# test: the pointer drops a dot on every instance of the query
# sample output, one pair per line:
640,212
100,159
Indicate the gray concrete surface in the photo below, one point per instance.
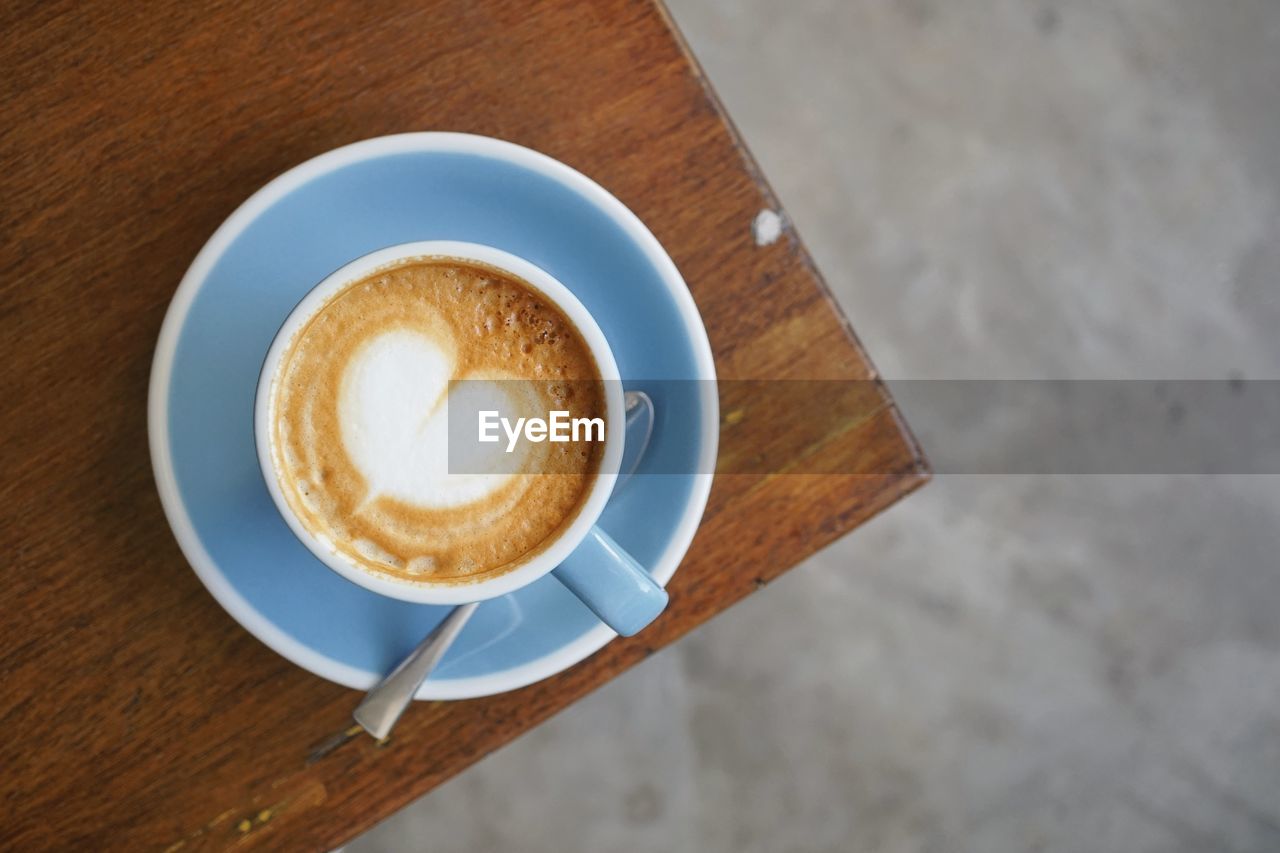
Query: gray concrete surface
993,189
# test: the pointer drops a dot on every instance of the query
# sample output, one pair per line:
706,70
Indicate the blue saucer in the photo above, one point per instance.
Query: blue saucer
289,236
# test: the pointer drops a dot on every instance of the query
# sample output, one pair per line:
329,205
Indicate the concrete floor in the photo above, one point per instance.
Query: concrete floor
994,189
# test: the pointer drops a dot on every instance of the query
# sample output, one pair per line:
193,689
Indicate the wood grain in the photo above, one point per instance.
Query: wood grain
136,713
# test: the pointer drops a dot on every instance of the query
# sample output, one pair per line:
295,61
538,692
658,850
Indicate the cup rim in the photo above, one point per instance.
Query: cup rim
425,592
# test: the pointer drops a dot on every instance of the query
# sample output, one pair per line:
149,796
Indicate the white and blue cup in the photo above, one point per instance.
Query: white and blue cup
583,557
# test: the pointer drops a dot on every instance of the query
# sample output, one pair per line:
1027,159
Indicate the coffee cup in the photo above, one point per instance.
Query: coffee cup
578,553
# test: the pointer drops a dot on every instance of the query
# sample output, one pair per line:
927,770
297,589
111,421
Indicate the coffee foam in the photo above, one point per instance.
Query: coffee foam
359,416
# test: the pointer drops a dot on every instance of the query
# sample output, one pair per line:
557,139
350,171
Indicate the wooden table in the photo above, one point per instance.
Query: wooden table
136,713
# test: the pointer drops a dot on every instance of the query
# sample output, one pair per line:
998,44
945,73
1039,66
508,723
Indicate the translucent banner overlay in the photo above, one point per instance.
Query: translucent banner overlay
963,426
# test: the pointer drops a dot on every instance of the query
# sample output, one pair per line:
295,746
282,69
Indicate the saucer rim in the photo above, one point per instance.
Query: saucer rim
428,142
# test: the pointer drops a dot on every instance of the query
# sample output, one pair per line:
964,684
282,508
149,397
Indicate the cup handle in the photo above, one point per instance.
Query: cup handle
612,584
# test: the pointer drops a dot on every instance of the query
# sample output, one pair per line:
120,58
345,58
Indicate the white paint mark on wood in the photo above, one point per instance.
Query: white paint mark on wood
766,227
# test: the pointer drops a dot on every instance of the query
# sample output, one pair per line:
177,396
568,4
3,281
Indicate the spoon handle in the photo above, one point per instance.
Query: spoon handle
384,704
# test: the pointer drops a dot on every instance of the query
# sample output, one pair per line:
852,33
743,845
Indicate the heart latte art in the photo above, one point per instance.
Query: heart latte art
360,421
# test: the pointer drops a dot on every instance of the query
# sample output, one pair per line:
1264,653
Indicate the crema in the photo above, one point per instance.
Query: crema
359,419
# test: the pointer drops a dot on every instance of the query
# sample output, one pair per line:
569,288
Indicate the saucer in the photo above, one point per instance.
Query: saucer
290,235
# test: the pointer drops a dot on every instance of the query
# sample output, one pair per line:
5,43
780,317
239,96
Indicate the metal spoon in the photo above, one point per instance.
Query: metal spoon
382,706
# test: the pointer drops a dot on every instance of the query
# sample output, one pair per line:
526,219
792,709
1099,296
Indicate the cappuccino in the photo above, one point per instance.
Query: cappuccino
359,421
